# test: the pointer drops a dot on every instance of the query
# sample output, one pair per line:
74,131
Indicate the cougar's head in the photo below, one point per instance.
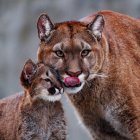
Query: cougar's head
41,82
73,48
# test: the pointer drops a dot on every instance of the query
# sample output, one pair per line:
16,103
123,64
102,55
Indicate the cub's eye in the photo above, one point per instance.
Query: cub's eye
85,53
59,53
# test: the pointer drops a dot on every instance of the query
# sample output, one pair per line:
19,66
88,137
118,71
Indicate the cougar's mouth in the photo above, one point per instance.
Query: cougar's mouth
73,84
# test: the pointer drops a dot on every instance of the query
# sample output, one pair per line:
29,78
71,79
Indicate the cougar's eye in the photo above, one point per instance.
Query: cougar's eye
59,53
85,53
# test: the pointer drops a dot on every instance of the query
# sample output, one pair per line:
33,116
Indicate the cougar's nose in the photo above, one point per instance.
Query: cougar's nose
74,74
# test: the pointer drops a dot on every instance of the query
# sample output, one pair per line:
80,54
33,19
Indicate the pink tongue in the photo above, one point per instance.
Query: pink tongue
71,81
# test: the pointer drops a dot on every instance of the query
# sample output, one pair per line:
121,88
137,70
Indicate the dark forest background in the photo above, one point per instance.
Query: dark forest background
19,40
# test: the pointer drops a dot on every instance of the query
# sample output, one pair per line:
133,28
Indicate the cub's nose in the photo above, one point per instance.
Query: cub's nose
55,90
52,90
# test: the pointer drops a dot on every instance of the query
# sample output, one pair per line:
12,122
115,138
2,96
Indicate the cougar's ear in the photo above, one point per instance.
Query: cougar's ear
44,26
96,26
27,73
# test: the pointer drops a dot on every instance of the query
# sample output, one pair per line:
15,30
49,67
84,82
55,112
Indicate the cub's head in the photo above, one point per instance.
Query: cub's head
72,47
41,82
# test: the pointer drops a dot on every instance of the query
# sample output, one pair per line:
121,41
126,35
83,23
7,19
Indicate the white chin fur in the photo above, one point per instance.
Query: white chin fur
74,90
52,98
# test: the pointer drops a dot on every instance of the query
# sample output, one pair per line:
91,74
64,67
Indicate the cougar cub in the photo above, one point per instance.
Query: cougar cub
37,113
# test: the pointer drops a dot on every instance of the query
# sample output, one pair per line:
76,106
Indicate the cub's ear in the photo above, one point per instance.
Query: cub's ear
97,26
27,73
44,26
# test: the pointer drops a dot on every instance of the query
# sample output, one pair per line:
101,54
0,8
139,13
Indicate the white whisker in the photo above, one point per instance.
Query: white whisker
87,84
100,75
94,75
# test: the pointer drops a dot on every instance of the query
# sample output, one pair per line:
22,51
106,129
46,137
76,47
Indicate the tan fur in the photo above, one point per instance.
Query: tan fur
109,106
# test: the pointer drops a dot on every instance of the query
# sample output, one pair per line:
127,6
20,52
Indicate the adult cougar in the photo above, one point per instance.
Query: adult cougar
99,62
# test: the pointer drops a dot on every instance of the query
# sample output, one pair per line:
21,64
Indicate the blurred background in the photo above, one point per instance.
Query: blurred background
19,40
